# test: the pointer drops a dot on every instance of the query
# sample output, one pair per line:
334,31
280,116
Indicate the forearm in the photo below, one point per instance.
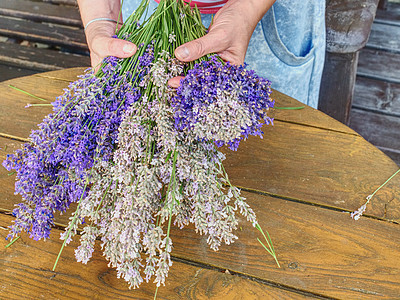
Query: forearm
92,9
252,11
260,7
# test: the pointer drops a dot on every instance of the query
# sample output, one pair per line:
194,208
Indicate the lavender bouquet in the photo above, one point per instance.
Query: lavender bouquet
137,155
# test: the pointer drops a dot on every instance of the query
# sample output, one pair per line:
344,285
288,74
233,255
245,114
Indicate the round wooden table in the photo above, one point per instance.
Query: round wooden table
302,179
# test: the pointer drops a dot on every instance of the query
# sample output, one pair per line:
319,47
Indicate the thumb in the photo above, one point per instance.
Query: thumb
210,43
106,46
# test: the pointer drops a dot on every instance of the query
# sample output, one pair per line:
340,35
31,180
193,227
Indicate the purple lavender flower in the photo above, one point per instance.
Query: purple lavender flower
53,169
222,103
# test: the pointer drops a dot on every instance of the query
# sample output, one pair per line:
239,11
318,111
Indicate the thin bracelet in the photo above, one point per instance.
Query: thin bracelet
98,19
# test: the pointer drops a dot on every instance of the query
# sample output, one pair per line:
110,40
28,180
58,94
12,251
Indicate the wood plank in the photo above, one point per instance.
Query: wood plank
392,153
8,72
26,118
390,15
26,273
62,2
380,65
307,116
41,12
384,37
52,34
380,130
377,96
317,166
67,75
321,251
6,180
40,59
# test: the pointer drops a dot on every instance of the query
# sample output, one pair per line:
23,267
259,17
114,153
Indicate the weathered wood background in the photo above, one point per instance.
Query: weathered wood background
375,113
38,36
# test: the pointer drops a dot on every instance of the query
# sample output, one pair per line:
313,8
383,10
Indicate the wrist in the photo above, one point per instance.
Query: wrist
98,30
99,20
93,9
252,10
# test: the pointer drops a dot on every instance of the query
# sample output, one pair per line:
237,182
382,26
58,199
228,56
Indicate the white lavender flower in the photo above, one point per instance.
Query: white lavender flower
356,215
171,38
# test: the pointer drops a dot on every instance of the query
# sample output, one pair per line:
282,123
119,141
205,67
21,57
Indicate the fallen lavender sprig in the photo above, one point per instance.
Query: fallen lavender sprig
356,215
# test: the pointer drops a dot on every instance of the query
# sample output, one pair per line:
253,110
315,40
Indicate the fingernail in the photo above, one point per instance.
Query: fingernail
128,48
182,52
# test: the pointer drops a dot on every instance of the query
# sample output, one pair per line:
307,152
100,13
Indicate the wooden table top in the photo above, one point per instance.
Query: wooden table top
302,179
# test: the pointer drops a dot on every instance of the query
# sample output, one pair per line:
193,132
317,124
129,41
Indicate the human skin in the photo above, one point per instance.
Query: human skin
228,36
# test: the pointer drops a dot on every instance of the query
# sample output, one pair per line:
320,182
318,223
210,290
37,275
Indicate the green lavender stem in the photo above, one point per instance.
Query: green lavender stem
27,93
12,242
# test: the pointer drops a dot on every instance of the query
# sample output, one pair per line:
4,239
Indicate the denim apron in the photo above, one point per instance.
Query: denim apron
287,46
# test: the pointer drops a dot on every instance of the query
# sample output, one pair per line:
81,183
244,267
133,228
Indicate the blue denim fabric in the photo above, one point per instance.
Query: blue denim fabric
287,46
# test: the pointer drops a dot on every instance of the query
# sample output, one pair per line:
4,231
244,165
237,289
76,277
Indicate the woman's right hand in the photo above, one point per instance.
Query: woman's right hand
102,44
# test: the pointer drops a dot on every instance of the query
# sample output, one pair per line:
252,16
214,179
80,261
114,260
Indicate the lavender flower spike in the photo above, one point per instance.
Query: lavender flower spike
359,212
356,215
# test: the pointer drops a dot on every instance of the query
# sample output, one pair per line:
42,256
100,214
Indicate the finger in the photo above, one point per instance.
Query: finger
95,61
234,59
210,43
175,82
107,46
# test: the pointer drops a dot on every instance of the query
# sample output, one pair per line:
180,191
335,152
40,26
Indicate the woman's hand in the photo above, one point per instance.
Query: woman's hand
101,44
228,36
99,33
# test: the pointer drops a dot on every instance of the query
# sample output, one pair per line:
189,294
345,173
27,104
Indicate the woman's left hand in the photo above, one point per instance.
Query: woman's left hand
228,36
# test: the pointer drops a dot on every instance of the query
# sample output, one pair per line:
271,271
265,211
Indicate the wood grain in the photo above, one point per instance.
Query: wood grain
321,251
41,12
51,34
317,166
8,72
389,16
376,108
378,129
40,59
26,274
385,66
377,96
385,37
392,153
336,92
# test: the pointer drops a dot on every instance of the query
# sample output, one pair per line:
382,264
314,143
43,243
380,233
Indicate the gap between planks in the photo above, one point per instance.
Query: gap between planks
317,127
202,265
309,203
